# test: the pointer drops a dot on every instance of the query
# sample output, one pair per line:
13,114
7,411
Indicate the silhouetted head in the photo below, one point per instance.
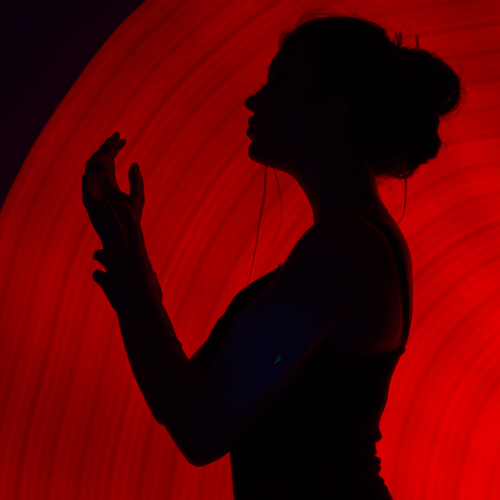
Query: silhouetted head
340,88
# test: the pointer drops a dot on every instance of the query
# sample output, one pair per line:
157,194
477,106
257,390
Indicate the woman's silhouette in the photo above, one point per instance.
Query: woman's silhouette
294,377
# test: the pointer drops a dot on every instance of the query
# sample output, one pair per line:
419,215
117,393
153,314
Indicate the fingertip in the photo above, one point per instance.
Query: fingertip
97,254
99,277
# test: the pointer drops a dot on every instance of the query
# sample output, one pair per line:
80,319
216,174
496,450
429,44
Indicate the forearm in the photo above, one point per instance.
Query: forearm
158,361
160,366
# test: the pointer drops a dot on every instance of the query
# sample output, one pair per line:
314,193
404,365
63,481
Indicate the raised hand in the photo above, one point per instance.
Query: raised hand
100,188
116,216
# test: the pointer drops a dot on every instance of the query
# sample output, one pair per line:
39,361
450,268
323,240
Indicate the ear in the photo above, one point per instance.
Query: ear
331,110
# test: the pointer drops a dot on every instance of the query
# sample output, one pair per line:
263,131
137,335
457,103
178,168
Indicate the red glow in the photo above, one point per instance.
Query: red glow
172,80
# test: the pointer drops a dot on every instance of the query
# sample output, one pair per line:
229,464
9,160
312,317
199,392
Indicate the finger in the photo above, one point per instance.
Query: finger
112,262
99,162
104,167
112,141
100,278
114,148
112,138
136,188
103,158
104,257
107,145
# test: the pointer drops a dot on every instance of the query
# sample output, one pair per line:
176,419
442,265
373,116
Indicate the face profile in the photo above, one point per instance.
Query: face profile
287,132
268,127
307,138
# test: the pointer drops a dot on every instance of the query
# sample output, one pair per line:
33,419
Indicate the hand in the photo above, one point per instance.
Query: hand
100,189
130,279
130,284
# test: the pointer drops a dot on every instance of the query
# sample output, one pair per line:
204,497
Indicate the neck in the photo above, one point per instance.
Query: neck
357,191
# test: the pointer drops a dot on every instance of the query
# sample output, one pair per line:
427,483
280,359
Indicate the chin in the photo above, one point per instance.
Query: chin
257,152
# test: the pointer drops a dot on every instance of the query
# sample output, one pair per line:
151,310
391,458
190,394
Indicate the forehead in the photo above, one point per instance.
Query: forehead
277,62
290,63
289,59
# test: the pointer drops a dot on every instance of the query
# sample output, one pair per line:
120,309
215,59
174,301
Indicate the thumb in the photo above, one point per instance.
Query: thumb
136,186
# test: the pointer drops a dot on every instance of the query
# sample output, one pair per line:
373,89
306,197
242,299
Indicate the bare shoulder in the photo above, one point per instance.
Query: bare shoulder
346,259
336,243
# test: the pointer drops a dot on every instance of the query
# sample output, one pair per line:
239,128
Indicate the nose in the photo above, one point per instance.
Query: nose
249,102
252,102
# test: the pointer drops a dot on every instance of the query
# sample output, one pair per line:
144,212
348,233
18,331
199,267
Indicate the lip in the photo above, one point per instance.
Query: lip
251,132
252,122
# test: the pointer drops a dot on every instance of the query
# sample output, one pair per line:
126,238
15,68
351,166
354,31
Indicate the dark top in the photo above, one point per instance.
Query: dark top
316,438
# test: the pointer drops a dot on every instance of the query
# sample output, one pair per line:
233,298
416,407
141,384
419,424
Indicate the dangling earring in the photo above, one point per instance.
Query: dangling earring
258,226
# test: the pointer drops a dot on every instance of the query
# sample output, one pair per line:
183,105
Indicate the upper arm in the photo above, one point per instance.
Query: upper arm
278,332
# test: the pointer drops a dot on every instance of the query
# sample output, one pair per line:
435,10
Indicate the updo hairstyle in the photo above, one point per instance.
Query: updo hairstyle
397,94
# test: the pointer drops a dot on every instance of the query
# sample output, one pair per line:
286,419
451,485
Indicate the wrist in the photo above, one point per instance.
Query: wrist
148,316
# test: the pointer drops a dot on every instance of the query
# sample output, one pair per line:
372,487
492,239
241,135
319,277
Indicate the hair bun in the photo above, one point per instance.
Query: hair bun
430,90
430,77
397,94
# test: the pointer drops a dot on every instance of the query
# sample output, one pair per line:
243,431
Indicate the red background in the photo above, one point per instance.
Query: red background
172,79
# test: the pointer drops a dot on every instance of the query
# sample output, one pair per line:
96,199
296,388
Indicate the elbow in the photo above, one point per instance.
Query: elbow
196,460
202,452
200,443
205,444
203,458
197,456
198,450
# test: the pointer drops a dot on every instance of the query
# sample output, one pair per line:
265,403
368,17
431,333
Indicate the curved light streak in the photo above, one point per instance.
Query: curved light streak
173,79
